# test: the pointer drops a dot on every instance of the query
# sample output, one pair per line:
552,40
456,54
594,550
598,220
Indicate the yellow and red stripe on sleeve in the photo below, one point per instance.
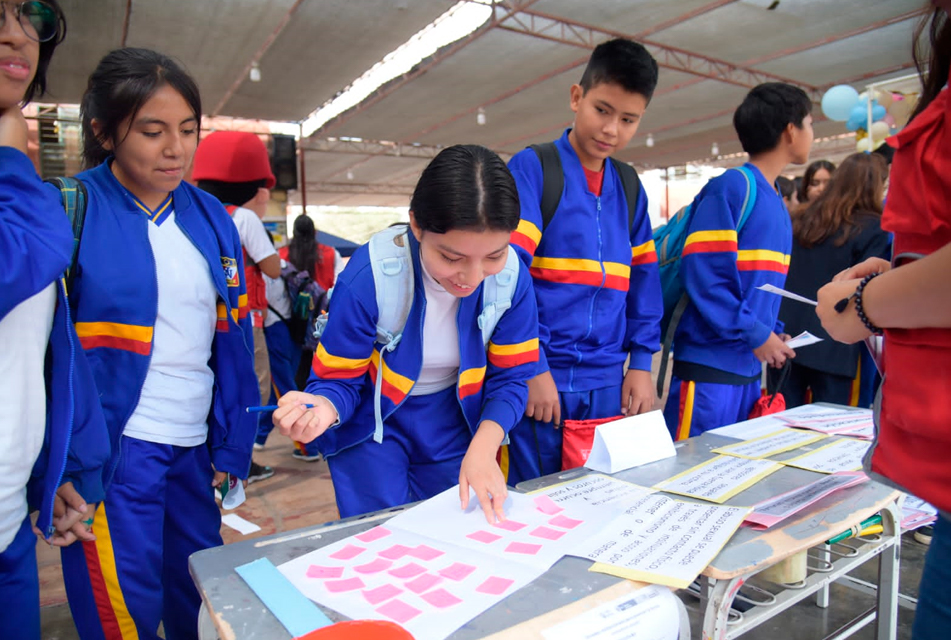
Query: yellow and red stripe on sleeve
643,254
512,355
331,367
762,260
470,382
395,386
581,271
115,335
243,306
710,242
222,323
526,236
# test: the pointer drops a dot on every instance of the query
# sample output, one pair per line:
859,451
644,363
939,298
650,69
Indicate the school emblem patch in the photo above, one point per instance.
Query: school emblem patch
230,265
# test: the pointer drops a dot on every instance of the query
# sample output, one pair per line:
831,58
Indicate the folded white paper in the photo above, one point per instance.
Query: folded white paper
630,442
804,339
238,523
768,288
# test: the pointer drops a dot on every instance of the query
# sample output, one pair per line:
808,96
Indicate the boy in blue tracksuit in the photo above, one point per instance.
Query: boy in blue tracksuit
730,328
595,274
402,420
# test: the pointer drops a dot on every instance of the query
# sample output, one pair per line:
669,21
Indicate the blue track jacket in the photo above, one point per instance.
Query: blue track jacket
492,382
115,303
36,242
728,317
596,281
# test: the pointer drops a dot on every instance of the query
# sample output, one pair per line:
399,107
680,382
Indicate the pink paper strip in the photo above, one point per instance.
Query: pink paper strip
547,533
564,522
761,521
424,552
440,598
423,583
546,505
348,552
484,536
338,586
457,571
495,586
510,525
407,571
315,571
373,534
378,565
378,595
399,611
395,552
523,547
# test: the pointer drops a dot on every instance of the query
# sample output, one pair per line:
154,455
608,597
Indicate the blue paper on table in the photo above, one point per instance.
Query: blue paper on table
291,607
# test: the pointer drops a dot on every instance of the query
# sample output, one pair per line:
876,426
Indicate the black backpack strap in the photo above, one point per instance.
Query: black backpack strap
675,316
73,193
553,180
632,188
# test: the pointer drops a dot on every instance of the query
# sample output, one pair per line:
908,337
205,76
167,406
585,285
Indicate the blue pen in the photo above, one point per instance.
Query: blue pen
270,407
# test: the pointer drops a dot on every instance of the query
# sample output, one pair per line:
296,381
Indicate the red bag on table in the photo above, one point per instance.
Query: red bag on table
577,439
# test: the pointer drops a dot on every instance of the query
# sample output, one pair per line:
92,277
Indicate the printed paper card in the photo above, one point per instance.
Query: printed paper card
662,540
776,442
630,442
719,479
749,429
650,613
770,288
804,339
775,510
842,455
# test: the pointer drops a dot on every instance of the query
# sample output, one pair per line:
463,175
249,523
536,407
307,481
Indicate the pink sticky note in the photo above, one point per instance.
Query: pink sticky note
338,586
546,505
378,595
348,552
440,598
423,583
457,571
494,586
510,525
314,571
395,552
547,533
424,552
408,571
399,611
565,522
523,547
378,565
373,534
484,536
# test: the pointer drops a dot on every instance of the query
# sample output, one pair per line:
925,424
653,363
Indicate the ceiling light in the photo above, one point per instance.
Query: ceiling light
349,174
480,117
255,73
650,140
715,149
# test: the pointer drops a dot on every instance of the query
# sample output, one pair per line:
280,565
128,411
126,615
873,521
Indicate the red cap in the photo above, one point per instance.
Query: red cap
232,156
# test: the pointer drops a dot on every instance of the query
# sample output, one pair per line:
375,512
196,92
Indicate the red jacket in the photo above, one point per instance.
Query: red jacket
323,270
913,448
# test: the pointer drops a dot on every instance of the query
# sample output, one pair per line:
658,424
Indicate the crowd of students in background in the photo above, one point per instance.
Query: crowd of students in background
456,346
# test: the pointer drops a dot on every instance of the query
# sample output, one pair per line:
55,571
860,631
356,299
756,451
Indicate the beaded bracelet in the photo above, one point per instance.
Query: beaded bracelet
860,310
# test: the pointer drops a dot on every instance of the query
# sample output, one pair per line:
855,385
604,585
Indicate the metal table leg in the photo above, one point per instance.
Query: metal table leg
717,607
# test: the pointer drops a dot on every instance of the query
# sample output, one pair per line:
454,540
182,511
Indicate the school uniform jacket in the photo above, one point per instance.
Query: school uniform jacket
115,304
35,247
492,383
596,280
727,317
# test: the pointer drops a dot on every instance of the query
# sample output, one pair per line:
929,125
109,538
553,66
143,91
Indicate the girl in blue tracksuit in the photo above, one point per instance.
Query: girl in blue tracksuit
446,399
161,310
53,441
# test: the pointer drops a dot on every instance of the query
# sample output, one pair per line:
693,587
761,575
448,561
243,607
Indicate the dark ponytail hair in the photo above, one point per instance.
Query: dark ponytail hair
938,64
123,81
38,86
466,187
302,250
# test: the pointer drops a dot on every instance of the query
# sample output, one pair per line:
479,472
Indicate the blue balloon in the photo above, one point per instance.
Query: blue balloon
878,112
838,101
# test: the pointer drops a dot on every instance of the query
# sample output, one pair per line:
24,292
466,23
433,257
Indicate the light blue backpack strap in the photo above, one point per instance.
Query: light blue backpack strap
497,294
392,266
750,201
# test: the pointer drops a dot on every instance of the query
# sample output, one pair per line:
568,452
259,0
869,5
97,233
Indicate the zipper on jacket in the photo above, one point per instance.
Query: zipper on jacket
580,356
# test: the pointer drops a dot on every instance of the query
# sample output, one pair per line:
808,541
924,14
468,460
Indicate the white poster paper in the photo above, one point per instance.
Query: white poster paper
776,442
804,339
820,412
595,491
749,429
768,288
662,540
630,442
650,613
719,479
842,455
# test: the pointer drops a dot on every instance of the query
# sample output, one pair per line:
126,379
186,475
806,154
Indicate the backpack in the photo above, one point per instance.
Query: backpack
392,264
73,193
308,302
669,241
553,182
